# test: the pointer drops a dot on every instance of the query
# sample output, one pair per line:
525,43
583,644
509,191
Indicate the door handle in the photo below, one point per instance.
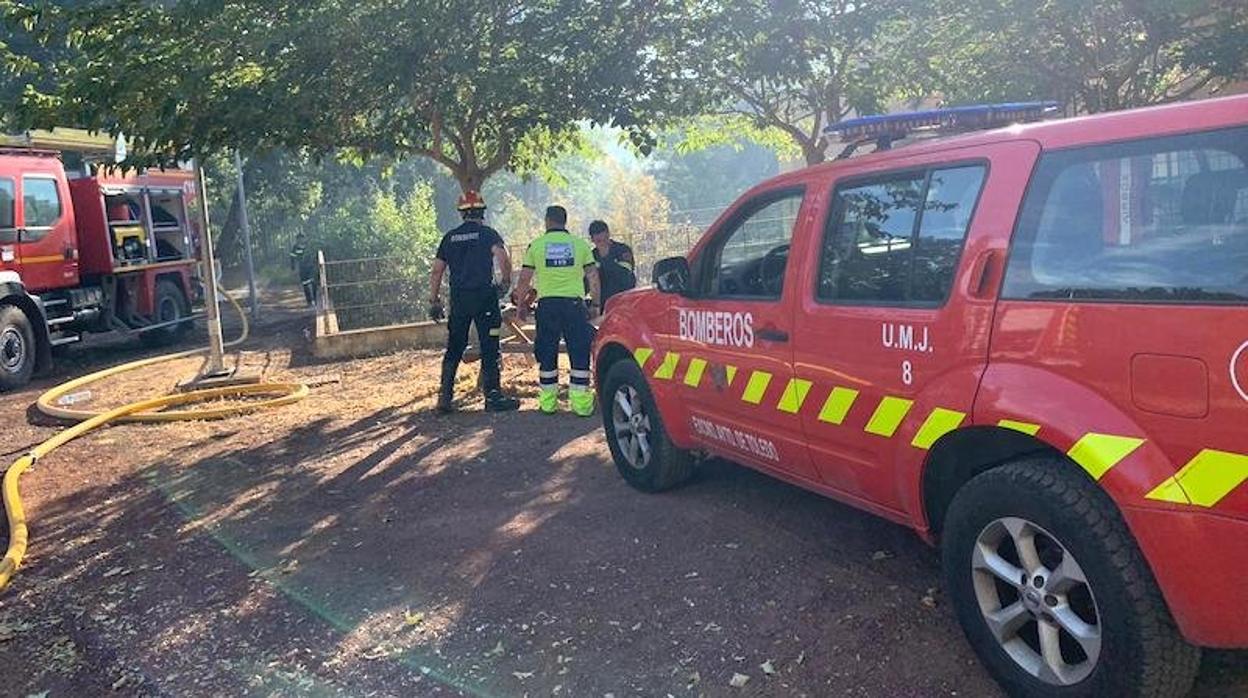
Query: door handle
772,334
981,272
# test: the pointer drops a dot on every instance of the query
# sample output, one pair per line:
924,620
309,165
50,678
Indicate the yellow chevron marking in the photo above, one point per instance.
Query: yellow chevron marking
668,368
1169,491
1098,453
837,405
642,354
888,416
759,380
939,423
732,373
1205,480
1026,427
794,395
693,375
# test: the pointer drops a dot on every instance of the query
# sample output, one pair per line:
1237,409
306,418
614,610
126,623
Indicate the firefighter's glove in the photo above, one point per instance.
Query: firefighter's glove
437,311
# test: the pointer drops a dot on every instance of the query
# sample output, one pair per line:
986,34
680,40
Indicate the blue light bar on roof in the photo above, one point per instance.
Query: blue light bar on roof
967,118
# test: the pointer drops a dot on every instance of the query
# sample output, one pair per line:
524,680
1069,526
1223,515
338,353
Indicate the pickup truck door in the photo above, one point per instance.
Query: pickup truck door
731,352
893,325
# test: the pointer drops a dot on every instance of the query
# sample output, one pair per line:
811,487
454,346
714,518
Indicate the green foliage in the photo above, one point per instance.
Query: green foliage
478,86
795,65
1092,56
701,183
733,131
381,224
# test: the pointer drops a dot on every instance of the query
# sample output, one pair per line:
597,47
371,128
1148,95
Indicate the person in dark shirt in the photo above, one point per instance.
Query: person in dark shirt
471,251
303,262
615,262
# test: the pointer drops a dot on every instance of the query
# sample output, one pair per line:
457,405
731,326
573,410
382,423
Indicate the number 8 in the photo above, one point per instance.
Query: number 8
907,373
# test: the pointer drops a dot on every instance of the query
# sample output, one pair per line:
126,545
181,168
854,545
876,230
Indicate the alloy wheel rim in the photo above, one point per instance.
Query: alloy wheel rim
632,427
1036,601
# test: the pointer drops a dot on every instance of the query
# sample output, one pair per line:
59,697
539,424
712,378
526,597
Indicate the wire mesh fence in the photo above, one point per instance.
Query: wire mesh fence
373,292
381,291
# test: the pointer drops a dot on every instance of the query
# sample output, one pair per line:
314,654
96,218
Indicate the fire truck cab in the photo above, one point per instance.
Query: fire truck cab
88,249
1030,344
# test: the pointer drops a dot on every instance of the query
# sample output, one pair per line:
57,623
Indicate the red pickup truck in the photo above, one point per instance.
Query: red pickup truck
1030,344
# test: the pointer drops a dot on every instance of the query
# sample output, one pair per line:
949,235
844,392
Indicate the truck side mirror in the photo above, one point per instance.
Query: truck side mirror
672,275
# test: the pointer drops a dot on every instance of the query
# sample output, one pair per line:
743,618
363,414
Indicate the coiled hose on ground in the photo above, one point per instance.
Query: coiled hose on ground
153,410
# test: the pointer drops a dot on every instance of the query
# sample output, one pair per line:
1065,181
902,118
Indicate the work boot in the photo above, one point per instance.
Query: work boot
446,391
582,402
548,401
496,401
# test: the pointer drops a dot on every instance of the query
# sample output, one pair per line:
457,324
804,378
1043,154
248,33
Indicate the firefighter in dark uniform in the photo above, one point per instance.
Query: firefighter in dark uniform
471,252
616,268
558,265
304,264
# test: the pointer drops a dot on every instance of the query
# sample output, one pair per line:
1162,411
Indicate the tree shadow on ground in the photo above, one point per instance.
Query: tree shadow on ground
480,554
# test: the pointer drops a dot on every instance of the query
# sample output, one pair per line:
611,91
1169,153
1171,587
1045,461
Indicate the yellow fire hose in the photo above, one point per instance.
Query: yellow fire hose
142,411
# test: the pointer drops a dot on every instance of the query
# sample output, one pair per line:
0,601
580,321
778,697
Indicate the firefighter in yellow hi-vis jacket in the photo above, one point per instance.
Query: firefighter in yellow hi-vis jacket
558,265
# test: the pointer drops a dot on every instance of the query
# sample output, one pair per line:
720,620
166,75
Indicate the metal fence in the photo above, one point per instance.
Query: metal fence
381,291
372,292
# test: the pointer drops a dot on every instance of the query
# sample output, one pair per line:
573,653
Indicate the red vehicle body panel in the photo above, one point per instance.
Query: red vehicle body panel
95,247
46,258
1137,394
77,249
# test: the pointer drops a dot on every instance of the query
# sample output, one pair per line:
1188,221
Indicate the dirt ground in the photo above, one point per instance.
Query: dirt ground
357,544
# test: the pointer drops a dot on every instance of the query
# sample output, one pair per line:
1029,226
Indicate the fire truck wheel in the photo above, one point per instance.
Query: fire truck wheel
171,304
1052,591
643,453
17,348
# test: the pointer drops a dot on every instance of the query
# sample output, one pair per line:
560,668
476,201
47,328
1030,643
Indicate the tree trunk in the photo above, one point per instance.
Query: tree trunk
813,151
469,179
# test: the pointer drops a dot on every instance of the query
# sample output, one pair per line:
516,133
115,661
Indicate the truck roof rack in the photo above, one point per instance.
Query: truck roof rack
885,129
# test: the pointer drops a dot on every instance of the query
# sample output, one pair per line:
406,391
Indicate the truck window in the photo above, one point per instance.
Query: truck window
1161,220
749,260
8,228
41,202
896,239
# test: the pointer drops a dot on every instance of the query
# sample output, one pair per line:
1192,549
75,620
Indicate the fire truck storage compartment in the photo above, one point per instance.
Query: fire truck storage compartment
168,220
128,226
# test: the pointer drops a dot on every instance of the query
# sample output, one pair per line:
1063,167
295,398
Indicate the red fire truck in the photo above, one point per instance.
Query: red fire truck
88,248
1030,344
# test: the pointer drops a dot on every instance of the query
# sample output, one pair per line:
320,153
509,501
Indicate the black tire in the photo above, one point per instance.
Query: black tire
1139,649
170,304
666,466
17,348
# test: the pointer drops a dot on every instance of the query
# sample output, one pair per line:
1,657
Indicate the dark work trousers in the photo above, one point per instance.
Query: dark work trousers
477,306
566,319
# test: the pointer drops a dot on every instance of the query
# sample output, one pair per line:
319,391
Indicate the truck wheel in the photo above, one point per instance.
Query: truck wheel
1052,591
643,453
170,305
17,348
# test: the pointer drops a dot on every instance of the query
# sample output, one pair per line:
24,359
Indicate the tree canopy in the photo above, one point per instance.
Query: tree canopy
477,86
795,66
483,86
1090,56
